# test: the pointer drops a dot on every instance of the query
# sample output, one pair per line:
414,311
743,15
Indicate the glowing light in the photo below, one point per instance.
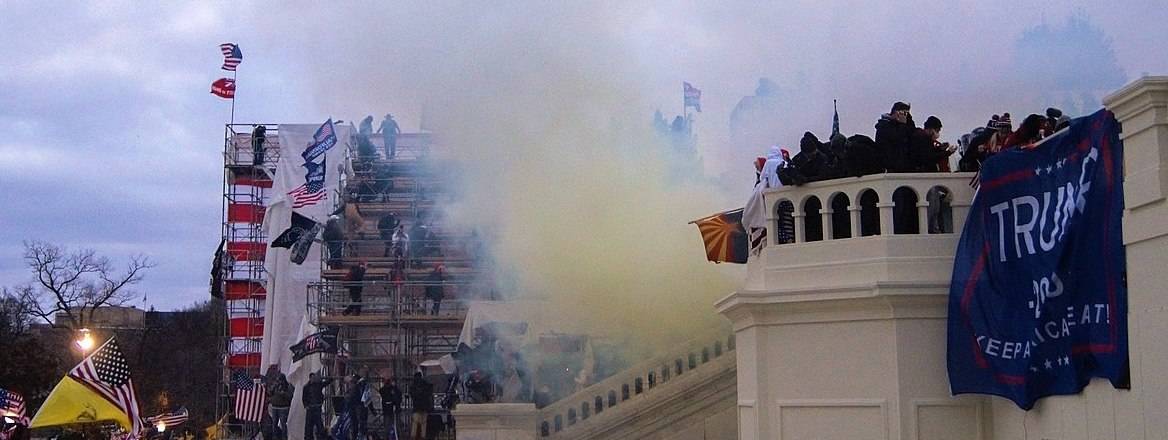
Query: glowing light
85,340
161,426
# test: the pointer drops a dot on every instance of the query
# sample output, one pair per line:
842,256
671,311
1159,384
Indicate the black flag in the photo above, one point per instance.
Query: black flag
222,262
324,341
301,226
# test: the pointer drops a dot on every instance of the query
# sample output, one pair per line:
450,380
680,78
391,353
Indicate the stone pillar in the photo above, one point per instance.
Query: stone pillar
496,421
886,226
854,216
800,237
828,227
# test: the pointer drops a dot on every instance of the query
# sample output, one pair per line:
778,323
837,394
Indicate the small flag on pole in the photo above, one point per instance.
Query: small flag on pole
249,397
232,56
724,236
835,119
223,88
693,96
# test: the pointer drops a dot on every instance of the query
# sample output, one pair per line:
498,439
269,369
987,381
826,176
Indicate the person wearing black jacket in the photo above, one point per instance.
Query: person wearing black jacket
354,278
422,397
334,236
355,401
925,153
391,399
893,132
312,396
259,137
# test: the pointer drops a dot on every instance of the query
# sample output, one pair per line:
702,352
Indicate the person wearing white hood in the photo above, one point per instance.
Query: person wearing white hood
754,214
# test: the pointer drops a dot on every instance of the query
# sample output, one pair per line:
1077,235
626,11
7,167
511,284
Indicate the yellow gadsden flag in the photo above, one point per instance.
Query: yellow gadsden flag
97,389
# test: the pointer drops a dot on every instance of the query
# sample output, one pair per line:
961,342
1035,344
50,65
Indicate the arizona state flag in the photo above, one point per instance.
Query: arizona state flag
726,240
97,389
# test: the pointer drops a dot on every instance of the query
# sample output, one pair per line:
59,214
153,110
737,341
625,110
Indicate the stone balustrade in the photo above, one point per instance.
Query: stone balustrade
632,384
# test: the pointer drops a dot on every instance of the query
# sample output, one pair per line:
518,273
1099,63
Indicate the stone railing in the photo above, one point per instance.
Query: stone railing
886,228
632,384
879,204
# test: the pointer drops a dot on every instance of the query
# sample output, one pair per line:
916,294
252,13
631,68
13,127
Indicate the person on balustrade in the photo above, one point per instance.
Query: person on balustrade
353,281
893,133
926,153
1028,134
813,163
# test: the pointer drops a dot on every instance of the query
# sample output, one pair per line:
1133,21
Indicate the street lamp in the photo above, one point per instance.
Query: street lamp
84,340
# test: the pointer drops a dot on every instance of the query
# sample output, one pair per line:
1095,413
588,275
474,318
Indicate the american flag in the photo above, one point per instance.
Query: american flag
170,419
232,56
693,96
12,406
106,372
249,397
307,194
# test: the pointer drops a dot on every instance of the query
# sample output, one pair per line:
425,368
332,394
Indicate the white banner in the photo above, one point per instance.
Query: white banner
305,160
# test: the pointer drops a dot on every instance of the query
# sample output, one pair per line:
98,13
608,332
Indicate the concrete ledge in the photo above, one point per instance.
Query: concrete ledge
496,421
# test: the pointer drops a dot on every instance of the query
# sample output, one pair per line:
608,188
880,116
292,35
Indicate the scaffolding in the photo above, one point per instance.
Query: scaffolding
247,181
407,314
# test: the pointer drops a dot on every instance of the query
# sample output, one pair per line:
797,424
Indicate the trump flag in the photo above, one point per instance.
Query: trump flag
1038,300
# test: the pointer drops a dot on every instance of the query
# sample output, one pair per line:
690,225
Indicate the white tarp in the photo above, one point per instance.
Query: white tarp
285,318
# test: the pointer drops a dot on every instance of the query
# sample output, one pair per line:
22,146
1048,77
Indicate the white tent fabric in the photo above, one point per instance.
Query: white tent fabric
285,322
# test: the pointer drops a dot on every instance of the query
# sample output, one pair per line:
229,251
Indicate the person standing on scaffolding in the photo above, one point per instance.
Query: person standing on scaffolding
386,226
353,280
389,131
435,292
259,135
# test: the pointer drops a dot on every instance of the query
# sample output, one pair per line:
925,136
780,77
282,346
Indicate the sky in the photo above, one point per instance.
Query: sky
112,141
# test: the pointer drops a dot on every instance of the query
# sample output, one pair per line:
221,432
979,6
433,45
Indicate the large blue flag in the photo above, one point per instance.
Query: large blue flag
1038,301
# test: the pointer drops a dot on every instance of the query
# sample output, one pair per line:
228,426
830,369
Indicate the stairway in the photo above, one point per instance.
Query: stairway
689,393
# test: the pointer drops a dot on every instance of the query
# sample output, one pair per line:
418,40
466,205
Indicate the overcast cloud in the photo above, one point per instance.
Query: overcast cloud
112,141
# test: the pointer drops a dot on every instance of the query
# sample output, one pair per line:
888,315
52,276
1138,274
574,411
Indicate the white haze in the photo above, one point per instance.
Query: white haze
546,104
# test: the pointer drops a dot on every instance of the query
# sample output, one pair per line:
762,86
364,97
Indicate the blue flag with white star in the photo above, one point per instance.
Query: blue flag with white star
1038,300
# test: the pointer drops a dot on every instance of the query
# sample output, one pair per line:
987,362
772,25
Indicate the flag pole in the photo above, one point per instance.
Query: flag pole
234,74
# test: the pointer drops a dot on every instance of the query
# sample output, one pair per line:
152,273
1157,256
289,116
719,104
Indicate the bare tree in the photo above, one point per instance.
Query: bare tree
74,284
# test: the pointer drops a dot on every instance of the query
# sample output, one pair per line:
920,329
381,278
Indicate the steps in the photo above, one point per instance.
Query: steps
685,391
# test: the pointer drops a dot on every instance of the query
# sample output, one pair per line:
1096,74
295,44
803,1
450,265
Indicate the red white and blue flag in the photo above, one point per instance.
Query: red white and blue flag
232,56
12,407
106,372
693,96
169,419
249,397
307,194
1038,302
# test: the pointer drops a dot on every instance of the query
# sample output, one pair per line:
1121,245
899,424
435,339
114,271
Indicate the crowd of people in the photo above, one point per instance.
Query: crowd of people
900,146
353,407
